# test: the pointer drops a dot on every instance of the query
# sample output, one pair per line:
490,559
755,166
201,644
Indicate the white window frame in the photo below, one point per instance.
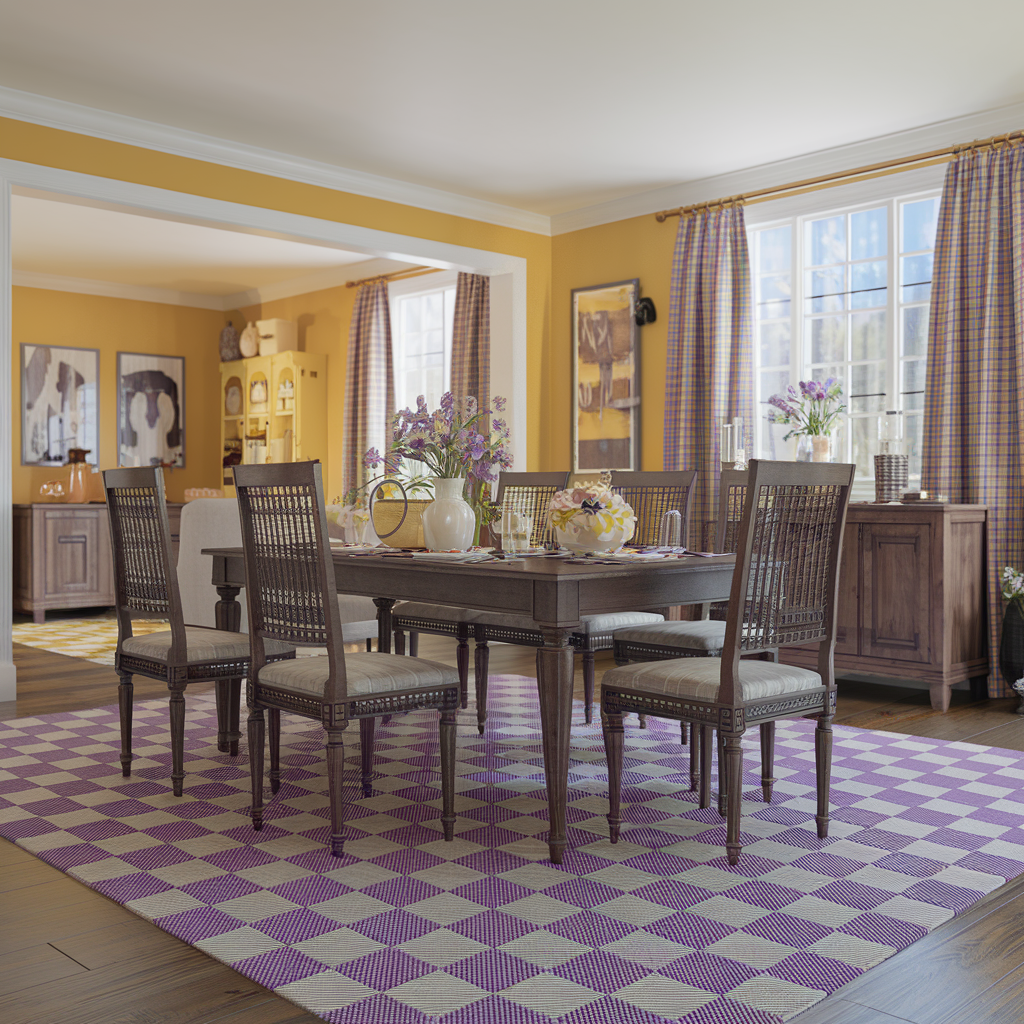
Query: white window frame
417,286
798,344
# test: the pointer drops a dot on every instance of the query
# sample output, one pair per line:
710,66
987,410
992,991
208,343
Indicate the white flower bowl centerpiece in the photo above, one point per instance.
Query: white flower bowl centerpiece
591,518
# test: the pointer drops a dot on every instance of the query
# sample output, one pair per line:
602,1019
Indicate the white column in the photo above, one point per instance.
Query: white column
8,689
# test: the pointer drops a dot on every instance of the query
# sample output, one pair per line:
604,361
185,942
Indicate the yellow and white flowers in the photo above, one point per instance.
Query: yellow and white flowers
591,517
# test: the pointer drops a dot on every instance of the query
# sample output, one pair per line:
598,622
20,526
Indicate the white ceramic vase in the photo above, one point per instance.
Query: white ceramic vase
449,522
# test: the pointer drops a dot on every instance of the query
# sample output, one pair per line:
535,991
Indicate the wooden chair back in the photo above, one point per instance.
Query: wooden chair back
784,589
290,585
651,495
145,580
531,494
732,496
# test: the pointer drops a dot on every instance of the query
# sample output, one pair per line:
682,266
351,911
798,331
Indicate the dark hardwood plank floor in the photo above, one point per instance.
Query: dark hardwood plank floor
71,956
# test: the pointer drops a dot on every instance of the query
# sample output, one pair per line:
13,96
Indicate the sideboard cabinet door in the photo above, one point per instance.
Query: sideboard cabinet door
896,607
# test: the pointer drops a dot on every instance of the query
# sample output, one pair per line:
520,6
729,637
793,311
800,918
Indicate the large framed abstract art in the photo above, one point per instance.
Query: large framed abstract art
150,410
59,403
606,377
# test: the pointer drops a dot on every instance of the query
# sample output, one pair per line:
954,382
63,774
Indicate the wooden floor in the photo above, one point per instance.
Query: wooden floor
71,956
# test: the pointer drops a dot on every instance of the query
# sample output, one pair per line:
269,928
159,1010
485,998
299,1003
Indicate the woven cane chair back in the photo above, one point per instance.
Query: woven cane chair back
651,495
144,576
290,583
531,494
788,553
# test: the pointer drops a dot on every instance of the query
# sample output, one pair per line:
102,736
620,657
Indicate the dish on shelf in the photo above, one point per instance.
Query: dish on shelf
233,400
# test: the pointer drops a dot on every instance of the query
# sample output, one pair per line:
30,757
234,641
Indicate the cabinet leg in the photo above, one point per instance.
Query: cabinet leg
38,616
939,694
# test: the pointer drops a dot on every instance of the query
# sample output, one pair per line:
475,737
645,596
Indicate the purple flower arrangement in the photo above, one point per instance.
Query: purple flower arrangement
812,410
449,441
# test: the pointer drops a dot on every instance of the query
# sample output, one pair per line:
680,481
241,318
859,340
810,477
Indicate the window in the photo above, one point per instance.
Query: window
421,341
845,293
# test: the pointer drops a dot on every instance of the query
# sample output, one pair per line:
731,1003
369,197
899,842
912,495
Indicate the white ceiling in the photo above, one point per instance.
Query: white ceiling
52,237
542,105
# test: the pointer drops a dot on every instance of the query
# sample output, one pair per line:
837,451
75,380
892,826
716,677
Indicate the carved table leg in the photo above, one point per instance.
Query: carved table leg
384,606
554,686
228,611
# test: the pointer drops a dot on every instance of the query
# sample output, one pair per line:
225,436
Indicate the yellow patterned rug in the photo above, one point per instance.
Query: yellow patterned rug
92,639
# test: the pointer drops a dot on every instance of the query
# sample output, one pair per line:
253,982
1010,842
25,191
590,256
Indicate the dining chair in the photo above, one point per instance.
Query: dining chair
784,591
529,493
292,595
698,638
146,586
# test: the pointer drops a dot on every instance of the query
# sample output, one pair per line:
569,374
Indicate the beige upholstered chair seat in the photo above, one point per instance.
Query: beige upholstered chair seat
699,635
201,645
432,612
474,616
589,624
366,674
699,678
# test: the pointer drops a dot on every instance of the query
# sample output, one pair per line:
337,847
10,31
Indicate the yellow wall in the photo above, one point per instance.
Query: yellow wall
323,321
638,247
52,147
120,325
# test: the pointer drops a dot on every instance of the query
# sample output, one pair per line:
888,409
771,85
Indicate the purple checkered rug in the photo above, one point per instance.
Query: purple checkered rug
407,928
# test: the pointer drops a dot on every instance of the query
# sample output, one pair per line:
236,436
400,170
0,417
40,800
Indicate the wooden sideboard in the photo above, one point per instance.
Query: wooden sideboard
912,597
62,556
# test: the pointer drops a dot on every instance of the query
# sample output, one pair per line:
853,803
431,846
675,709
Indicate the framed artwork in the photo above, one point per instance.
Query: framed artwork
59,403
605,377
150,410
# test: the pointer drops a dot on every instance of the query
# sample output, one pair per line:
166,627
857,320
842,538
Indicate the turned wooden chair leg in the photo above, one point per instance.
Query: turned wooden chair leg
707,741
462,663
643,721
588,686
723,777
414,644
177,715
399,641
366,728
234,703
481,667
734,758
222,699
682,734
336,787
823,771
767,760
257,732
611,726
447,743
124,706
275,749
695,738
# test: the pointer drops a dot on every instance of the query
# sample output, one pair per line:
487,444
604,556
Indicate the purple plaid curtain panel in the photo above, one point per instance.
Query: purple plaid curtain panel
710,367
974,389
471,338
370,381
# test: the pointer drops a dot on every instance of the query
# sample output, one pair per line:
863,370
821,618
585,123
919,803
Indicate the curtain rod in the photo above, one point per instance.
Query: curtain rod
394,275
796,188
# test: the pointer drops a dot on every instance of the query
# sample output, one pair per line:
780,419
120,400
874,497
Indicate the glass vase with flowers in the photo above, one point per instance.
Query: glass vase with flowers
811,410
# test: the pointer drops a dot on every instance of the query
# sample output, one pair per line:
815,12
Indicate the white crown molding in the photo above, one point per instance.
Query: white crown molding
133,131
825,161
114,290
320,280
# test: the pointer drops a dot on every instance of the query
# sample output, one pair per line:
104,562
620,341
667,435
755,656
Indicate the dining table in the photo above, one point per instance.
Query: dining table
555,591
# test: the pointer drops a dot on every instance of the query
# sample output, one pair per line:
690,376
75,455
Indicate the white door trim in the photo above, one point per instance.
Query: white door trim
147,200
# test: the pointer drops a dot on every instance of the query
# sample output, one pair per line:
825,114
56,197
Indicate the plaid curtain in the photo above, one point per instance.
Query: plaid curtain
974,388
710,367
369,382
471,338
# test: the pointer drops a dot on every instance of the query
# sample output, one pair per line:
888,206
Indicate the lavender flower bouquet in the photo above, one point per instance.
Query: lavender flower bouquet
811,410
